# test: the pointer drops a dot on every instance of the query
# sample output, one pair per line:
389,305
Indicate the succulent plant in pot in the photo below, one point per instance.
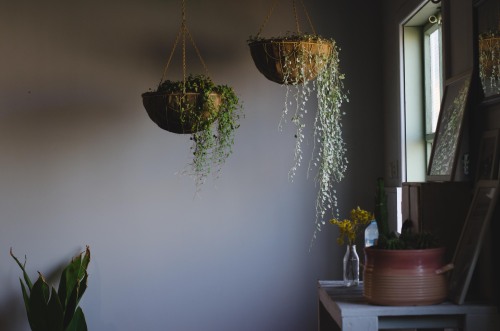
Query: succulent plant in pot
404,269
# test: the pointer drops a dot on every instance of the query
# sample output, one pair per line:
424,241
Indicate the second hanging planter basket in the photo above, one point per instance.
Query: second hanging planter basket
290,60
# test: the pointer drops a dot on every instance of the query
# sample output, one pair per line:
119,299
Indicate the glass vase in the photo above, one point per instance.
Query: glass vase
351,266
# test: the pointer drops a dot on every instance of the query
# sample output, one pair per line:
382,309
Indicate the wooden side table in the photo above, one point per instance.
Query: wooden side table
345,308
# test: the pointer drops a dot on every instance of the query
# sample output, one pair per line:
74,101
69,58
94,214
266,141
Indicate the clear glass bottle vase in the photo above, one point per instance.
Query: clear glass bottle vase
351,266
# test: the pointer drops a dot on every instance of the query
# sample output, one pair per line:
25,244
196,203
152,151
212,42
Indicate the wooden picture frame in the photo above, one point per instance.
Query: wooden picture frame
444,154
487,41
487,163
471,238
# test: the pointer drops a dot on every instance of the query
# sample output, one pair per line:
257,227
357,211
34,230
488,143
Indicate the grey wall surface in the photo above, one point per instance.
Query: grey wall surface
82,164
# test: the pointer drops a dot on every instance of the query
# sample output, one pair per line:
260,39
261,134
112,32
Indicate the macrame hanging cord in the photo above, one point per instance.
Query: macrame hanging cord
181,35
295,14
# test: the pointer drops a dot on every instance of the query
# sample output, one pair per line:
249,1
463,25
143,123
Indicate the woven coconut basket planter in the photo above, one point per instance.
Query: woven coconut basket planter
181,113
489,49
290,61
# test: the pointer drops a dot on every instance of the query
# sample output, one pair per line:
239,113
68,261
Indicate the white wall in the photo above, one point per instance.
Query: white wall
82,164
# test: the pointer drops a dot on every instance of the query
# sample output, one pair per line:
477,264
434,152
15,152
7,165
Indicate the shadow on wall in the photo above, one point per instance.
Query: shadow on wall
12,316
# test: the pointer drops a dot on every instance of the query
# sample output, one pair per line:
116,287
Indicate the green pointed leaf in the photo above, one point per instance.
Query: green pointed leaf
49,310
22,266
82,287
38,306
25,296
71,305
68,280
72,275
54,312
78,322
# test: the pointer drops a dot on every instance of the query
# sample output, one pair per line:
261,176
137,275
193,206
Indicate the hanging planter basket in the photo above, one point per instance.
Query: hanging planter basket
191,104
179,112
308,66
290,60
489,62
195,105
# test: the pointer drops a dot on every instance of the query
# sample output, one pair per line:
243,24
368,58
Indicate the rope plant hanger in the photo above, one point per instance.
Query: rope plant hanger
196,106
305,63
180,115
280,59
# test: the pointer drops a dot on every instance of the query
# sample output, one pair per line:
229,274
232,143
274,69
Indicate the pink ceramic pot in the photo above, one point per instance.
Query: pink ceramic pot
404,277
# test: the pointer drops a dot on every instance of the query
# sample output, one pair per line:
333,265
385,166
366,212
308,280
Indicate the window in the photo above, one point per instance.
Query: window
433,80
421,93
423,86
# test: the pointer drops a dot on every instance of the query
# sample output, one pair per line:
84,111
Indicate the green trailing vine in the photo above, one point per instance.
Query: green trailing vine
195,105
489,61
213,136
329,148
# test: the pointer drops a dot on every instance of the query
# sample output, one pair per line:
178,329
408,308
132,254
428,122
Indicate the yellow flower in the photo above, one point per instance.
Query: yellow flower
349,227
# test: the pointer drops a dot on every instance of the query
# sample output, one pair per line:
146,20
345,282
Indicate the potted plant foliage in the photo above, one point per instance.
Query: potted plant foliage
489,62
51,310
307,63
196,106
184,106
291,59
406,269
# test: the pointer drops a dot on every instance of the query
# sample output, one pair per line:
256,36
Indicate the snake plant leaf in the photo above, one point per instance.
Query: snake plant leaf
74,299
49,310
22,266
39,296
72,275
77,322
71,306
83,287
26,297
54,312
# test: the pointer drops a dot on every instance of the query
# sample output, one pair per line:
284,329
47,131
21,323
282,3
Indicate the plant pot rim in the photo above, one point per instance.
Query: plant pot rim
374,249
167,115
158,93
288,40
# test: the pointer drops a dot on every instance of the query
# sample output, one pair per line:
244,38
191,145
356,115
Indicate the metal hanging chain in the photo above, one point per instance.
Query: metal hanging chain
183,32
296,16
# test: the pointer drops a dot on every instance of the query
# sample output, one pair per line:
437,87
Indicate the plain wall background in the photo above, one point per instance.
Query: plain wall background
82,164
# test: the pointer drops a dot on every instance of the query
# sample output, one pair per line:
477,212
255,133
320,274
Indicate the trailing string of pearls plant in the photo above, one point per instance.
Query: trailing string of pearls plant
489,62
489,49
329,149
307,63
196,106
